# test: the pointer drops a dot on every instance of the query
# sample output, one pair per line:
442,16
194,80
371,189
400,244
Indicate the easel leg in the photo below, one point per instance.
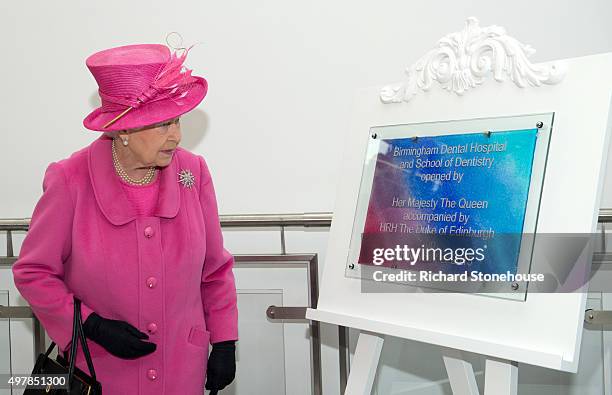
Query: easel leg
501,377
364,364
460,374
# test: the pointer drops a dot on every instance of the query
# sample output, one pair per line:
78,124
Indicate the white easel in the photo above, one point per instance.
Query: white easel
501,377
505,331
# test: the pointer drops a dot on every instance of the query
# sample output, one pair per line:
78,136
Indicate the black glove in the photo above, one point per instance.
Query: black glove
221,367
117,337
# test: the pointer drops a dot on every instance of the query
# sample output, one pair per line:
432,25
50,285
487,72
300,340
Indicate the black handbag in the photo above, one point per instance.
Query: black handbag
78,381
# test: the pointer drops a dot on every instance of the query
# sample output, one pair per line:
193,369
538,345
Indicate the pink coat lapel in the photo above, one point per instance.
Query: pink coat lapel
109,193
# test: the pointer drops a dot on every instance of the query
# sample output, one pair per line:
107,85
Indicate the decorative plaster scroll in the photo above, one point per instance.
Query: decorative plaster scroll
463,59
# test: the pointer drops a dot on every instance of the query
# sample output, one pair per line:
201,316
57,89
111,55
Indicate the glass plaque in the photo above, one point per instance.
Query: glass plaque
451,205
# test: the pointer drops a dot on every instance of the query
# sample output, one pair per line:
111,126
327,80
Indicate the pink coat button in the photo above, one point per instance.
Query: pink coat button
151,282
152,374
148,232
152,327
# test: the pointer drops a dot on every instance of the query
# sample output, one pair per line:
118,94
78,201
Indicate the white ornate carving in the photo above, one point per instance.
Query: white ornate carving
463,59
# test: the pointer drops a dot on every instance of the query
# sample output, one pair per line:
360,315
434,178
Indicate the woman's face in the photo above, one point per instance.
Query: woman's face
154,145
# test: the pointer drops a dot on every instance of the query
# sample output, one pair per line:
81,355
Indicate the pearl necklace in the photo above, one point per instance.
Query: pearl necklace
123,174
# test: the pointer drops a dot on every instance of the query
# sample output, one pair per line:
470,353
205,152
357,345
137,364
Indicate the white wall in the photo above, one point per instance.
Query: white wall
281,77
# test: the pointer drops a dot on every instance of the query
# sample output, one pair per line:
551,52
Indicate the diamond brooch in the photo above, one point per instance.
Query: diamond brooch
186,178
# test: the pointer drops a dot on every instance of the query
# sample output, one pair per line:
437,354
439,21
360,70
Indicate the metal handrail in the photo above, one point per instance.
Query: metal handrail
315,219
321,219
605,215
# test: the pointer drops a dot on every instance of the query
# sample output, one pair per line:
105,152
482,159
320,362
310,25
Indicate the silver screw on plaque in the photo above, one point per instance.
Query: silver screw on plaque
374,135
540,125
415,138
487,133
352,266
515,286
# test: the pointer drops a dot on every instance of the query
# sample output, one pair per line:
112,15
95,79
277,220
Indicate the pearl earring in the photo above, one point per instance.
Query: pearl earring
125,142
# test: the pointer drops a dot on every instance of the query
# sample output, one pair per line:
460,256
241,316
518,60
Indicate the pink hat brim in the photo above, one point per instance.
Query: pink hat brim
149,113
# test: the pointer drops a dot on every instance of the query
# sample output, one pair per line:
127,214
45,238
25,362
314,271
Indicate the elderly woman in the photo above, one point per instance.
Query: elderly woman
129,225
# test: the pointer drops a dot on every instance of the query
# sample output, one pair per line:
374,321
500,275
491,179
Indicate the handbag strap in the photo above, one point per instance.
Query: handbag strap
74,344
51,346
90,365
78,335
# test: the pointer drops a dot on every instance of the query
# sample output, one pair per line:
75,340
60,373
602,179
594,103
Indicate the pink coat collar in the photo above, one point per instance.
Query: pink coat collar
110,195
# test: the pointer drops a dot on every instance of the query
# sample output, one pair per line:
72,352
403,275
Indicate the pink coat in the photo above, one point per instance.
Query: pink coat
168,274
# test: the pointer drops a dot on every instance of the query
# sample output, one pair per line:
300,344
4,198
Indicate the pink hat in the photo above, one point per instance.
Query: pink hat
141,85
